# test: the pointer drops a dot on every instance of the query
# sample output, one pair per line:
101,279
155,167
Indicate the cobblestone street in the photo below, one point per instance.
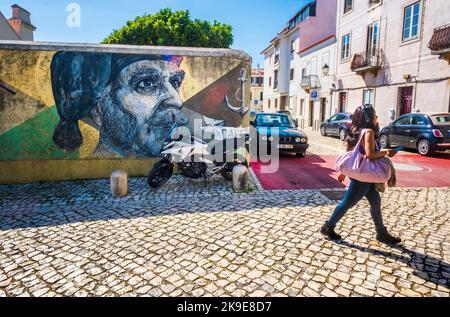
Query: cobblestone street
73,239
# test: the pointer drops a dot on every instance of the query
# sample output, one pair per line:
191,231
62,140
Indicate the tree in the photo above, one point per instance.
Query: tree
168,28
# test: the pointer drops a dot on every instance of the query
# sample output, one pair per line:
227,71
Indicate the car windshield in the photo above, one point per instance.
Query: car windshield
274,121
441,119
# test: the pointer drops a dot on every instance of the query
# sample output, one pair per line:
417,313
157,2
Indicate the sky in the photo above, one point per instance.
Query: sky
255,22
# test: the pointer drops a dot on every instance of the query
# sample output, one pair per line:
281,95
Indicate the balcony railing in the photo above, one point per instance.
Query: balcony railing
441,39
367,61
310,82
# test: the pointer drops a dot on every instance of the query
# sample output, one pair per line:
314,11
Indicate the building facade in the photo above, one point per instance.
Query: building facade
299,64
392,54
18,27
257,89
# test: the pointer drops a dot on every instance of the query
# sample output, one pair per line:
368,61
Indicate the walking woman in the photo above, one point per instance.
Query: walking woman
365,124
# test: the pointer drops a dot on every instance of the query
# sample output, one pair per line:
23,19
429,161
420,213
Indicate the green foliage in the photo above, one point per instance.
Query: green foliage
168,28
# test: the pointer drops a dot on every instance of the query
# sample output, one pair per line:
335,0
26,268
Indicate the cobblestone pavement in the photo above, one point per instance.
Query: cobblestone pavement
329,145
73,239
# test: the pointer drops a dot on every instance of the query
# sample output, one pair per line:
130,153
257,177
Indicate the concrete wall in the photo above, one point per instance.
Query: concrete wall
429,75
71,111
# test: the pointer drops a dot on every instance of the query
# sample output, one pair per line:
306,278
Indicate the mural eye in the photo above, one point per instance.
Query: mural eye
176,83
146,86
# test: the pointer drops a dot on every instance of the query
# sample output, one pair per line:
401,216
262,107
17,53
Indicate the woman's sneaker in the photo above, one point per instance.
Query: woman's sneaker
384,237
330,233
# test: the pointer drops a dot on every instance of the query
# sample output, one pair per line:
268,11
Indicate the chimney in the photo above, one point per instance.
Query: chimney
21,23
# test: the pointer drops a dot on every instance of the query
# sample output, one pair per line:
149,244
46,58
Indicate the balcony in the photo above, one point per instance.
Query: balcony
310,82
440,42
368,61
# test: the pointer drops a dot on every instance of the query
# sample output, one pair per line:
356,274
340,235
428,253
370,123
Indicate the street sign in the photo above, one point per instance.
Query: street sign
314,95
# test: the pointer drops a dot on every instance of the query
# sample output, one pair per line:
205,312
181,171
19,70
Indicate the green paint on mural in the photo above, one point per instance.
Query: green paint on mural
33,139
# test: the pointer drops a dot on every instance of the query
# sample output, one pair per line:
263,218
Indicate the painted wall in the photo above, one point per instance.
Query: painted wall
431,92
79,112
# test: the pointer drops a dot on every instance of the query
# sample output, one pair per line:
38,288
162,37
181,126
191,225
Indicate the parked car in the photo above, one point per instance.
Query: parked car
426,133
337,125
270,126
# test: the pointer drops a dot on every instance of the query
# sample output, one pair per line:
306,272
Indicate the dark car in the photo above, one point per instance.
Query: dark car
426,133
271,127
337,125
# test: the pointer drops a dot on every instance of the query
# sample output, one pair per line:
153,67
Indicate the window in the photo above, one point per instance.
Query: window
276,103
269,103
261,96
372,38
304,72
270,81
275,79
348,6
302,106
419,120
345,53
333,118
403,121
368,97
292,46
326,59
411,21
292,74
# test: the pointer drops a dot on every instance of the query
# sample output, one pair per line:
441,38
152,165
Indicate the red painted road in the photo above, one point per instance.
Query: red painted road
317,172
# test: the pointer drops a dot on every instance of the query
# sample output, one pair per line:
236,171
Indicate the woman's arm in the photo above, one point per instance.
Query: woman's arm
370,148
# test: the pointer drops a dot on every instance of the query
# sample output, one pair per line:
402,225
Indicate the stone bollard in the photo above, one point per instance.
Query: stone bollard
241,178
119,184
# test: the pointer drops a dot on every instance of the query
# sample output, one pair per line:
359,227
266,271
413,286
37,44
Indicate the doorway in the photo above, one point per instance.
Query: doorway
323,106
311,114
406,99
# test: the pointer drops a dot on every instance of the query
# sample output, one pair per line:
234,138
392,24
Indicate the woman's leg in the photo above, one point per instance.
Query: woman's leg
383,235
355,193
374,199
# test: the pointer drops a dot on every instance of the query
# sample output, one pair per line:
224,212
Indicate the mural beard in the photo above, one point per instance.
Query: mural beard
127,135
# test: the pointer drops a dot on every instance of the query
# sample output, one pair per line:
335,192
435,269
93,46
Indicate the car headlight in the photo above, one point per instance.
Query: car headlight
298,140
303,140
264,138
271,139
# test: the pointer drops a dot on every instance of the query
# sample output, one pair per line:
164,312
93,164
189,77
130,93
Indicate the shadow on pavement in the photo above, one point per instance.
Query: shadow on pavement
425,267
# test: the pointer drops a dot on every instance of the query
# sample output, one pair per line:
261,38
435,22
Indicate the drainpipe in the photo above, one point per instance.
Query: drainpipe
422,30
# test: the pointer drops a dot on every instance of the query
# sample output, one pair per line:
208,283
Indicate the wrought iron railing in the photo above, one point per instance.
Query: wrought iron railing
310,82
440,39
367,60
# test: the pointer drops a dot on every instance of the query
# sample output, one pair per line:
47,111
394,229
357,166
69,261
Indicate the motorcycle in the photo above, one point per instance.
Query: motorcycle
195,158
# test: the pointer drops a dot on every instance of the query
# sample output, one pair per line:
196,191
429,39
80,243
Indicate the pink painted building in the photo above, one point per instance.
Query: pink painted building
18,27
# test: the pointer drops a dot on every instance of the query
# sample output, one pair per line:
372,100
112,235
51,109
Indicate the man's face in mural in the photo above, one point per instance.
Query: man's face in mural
139,108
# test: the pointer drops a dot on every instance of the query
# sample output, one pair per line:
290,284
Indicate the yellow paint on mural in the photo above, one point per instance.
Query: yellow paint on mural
202,72
91,137
29,72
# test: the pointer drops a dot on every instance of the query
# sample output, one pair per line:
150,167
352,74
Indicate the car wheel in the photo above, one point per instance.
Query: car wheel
322,131
342,134
384,141
300,155
424,148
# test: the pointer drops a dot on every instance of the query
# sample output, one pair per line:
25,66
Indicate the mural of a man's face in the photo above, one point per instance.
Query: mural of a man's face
139,107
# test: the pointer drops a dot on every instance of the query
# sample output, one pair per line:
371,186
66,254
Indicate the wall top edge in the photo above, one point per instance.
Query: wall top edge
129,49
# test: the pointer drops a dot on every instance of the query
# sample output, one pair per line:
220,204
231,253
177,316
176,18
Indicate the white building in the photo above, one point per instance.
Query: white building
295,76
384,57
257,89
